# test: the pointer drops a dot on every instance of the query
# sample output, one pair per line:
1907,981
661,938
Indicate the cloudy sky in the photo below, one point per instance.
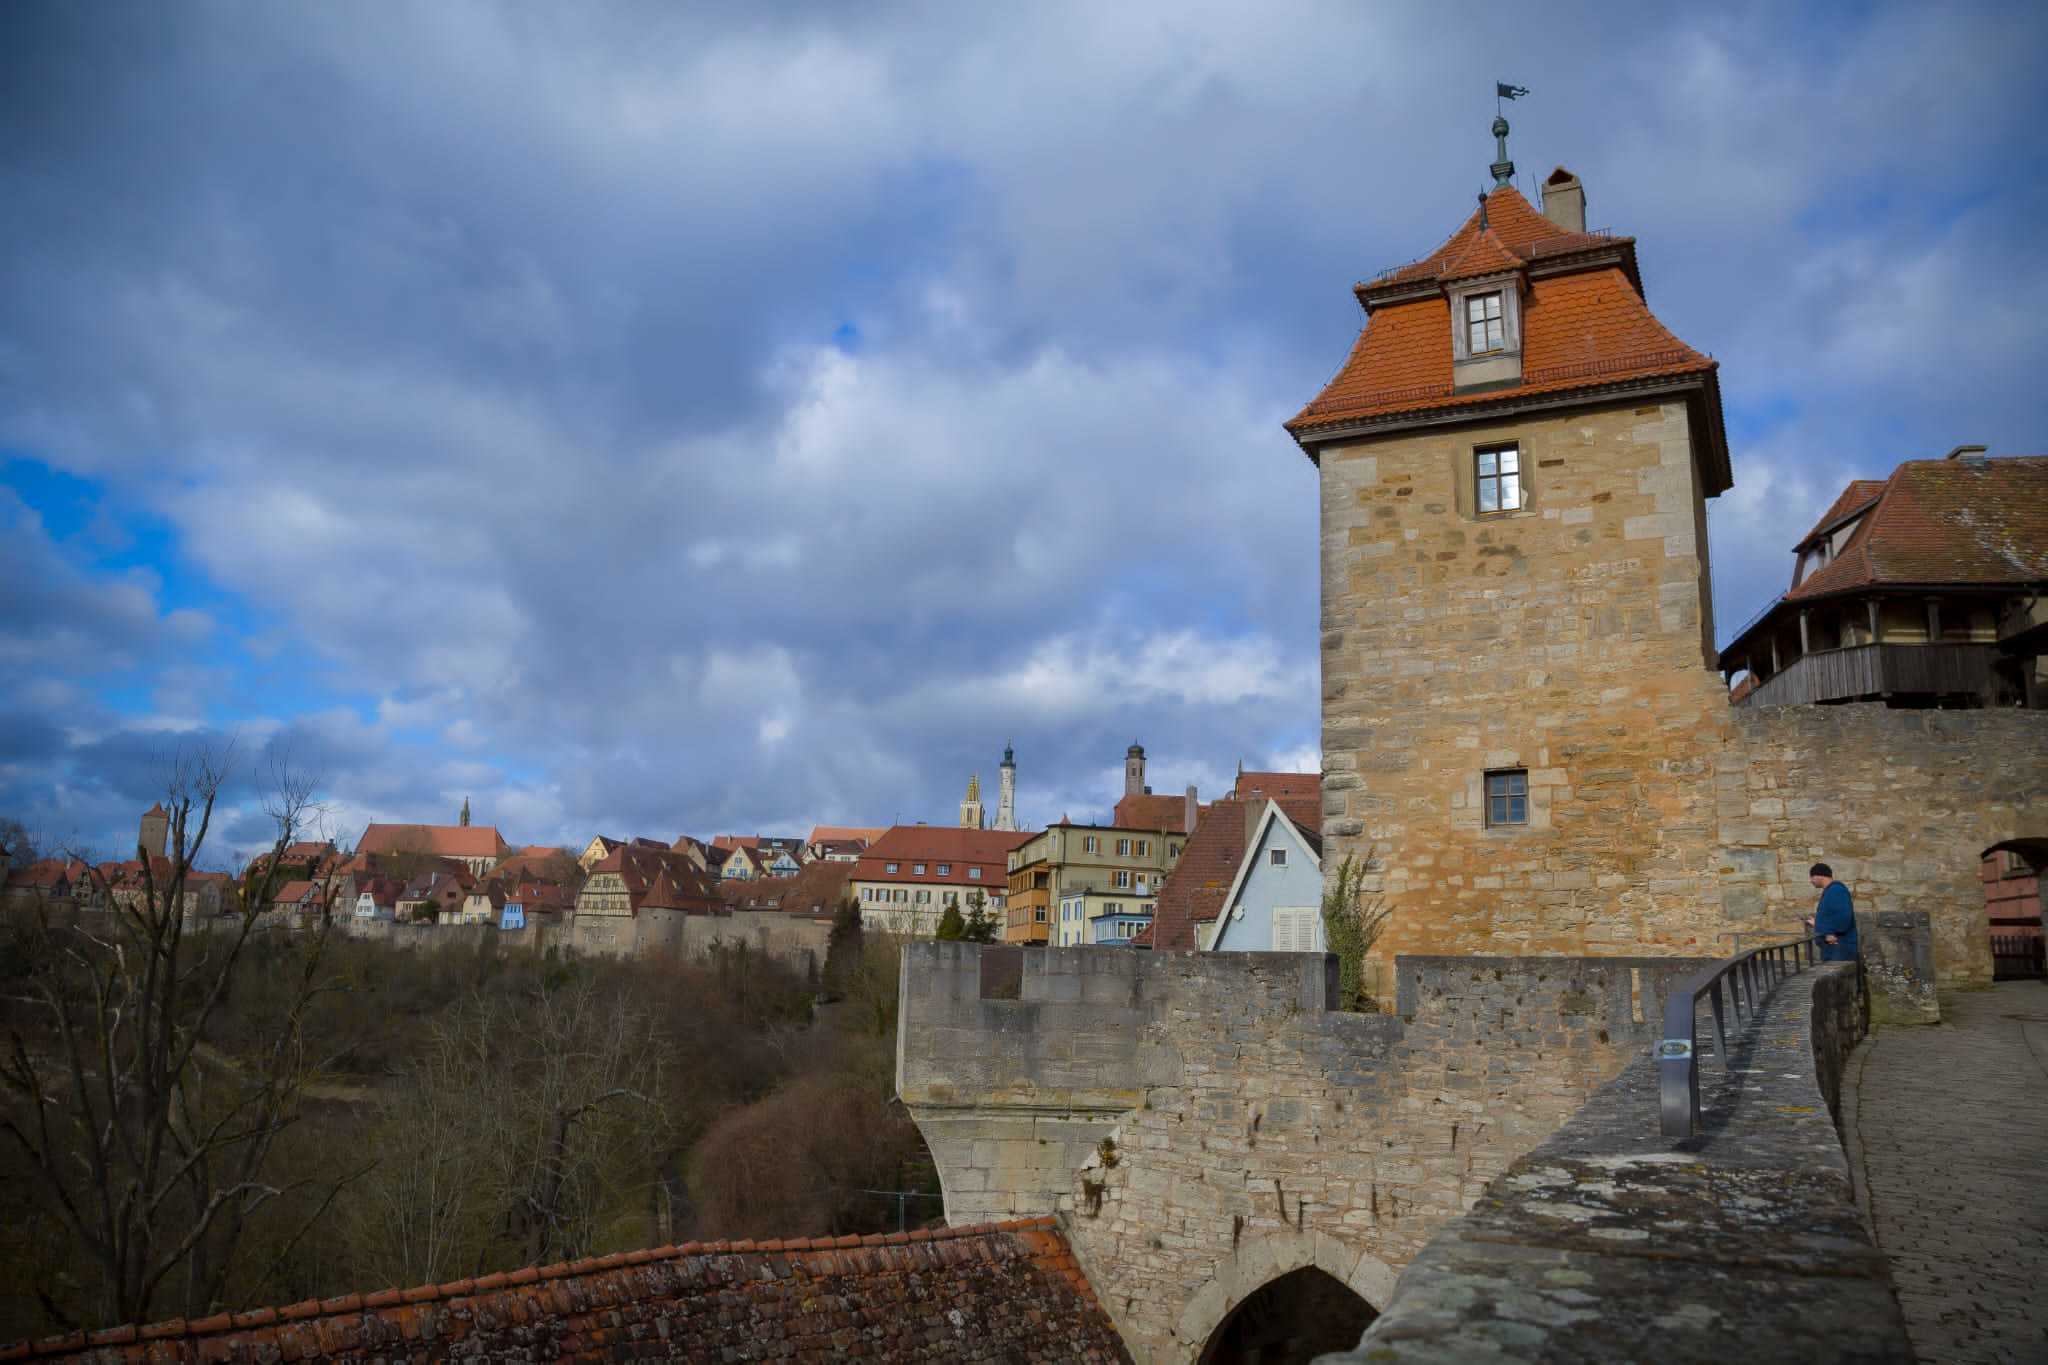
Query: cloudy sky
662,418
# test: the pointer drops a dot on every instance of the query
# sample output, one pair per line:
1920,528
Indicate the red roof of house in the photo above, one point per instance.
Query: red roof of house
660,879
448,841
1950,523
1279,786
907,846
997,1290
291,893
822,834
1584,324
1149,812
1194,890
1858,495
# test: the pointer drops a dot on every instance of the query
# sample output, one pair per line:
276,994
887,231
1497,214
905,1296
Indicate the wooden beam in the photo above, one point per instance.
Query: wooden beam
1876,630
1805,643
1933,620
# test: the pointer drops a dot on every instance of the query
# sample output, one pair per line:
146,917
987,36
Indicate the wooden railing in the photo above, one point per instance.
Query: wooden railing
1875,670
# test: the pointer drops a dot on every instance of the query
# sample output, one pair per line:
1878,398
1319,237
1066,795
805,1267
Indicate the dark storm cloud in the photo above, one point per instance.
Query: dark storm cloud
665,418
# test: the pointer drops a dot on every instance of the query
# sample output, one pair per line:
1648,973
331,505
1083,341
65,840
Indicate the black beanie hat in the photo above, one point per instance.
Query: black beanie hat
1820,870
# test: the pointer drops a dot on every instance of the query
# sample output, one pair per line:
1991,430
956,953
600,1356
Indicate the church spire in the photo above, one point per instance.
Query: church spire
463,819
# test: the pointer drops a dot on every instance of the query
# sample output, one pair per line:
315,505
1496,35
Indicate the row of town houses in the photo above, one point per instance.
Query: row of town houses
1165,871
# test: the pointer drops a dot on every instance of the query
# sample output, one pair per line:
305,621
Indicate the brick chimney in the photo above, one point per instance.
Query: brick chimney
1564,200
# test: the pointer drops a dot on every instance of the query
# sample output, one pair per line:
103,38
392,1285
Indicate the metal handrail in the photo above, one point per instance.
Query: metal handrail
1748,977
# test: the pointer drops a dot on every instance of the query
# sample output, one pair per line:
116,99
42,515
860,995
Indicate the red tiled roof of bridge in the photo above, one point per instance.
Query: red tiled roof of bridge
994,1291
1946,522
1580,329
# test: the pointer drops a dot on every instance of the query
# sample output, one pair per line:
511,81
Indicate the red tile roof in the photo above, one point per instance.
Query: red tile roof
996,1291
1585,326
839,833
1280,786
816,890
1858,495
1194,890
1948,523
660,879
1149,812
908,845
448,841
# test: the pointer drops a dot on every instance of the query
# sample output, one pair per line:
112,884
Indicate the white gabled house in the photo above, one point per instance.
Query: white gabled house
1275,903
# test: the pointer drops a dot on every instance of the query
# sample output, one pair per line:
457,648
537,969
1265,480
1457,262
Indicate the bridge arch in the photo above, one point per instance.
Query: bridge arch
1260,1261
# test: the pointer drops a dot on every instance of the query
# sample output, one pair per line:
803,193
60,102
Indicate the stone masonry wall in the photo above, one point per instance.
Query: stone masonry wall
1901,804
1569,639
1205,1122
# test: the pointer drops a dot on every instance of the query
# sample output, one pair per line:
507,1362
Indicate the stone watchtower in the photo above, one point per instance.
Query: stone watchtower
1134,771
155,833
1517,624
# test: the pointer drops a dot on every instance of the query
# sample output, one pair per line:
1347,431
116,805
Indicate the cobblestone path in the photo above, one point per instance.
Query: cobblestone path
1951,1142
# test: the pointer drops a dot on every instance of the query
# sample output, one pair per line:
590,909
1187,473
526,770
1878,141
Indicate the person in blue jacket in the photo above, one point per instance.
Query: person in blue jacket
1834,919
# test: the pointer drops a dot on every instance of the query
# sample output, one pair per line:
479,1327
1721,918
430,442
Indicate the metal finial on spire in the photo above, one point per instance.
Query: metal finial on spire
1502,168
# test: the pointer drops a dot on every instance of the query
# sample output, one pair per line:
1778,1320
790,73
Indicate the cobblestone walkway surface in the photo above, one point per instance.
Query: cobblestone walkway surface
1951,1143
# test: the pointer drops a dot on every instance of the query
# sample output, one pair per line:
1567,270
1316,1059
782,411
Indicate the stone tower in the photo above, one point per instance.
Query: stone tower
1134,770
1517,627
155,833
1006,793
970,809
463,819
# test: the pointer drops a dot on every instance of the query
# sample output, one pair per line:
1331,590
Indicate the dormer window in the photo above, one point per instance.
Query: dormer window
1486,332
1483,323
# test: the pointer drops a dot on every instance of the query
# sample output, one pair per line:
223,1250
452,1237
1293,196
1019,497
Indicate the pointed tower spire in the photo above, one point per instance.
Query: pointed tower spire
463,819
1502,168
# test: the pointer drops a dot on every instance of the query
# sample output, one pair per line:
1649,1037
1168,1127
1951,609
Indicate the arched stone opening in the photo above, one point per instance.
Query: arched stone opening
1295,1318
1260,1263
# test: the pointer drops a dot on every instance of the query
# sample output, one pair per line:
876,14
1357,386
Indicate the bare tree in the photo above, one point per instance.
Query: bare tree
148,1145
529,1125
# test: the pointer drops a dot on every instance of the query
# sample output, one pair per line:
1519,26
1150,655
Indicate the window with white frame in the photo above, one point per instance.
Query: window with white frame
1121,880
892,867
1497,479
917,868
1485,329
1123,848
945,869
973,874
1090,844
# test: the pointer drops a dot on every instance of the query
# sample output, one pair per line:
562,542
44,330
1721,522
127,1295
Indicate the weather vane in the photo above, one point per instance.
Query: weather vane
1502,168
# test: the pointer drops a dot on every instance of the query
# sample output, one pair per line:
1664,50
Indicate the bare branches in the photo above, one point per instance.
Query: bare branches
152,1157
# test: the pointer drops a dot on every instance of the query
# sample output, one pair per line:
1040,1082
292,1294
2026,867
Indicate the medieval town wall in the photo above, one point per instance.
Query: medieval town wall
1205,1121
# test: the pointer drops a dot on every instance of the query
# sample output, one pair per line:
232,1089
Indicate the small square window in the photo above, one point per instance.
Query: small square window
973,874
1483,328
892,867
917,868
1497,480
1507,798
1278,857
945,869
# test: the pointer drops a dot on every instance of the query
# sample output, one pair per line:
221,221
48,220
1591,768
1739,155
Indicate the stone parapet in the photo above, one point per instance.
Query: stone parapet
1204,1121
1610,1242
